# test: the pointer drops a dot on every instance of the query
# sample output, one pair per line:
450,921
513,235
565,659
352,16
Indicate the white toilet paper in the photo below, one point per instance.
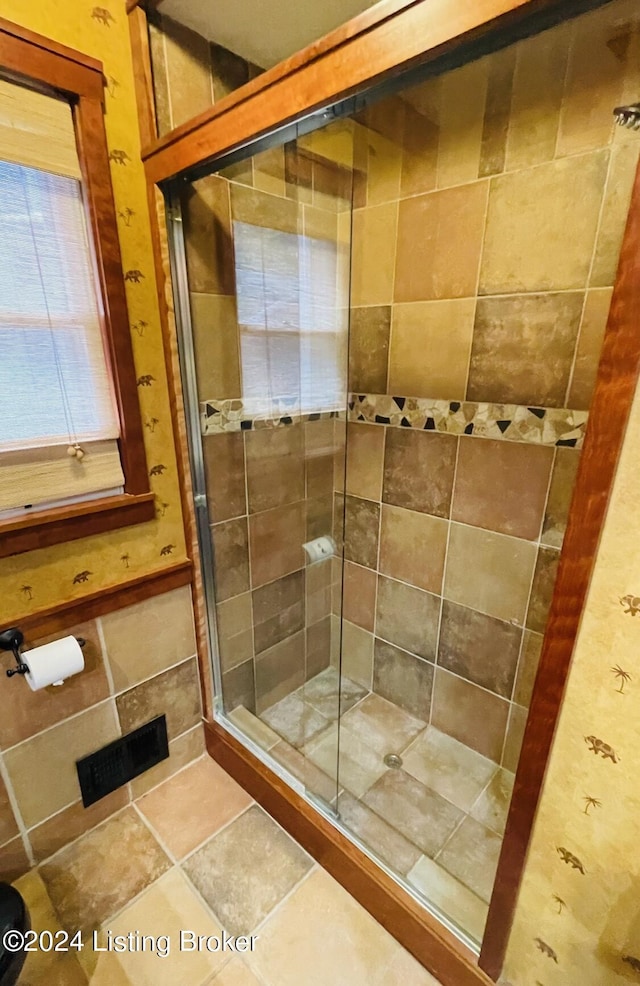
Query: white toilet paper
52,663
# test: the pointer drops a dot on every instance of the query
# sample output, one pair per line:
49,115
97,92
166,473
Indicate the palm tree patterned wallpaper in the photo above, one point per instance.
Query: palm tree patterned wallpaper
578,916
39,579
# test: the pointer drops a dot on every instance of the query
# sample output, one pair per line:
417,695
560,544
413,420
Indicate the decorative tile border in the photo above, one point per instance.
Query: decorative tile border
512,422
232,415
509,422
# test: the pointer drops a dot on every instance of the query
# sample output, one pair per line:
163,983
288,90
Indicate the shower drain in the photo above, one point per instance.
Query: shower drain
393,760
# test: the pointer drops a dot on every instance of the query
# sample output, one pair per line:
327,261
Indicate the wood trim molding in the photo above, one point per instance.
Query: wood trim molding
379,43
34,57
78,520
68,614
437,949
615,389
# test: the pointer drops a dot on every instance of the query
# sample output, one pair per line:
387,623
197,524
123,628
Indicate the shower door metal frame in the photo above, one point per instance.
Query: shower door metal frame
380,45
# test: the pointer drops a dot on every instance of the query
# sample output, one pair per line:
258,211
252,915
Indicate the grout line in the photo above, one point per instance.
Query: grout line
15,807
105,655
217,832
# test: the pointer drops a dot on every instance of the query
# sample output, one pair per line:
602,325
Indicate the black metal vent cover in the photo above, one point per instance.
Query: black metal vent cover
109,768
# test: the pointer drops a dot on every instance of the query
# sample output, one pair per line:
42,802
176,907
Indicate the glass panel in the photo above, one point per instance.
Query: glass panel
268,253
481,213
201,52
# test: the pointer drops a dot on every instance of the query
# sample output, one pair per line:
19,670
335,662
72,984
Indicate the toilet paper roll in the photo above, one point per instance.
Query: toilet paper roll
52,663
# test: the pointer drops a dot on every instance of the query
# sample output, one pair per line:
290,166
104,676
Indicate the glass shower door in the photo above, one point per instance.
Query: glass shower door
267,249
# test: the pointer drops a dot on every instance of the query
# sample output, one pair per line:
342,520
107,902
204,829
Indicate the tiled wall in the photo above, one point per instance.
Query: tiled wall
490,207
139,663
190,74
270,489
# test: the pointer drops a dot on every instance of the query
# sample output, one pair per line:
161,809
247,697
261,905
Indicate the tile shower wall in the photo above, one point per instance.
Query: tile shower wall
490,206
270,489
125,684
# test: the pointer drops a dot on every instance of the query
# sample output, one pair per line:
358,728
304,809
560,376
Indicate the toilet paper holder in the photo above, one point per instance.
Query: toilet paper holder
12,640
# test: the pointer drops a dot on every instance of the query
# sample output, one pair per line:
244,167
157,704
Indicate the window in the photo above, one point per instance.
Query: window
71,452
292,311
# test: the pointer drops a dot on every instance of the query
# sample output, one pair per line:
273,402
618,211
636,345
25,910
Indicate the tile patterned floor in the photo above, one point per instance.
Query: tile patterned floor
197,854
438,821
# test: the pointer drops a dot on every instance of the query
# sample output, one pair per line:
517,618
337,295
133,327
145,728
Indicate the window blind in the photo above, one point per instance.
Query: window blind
55,387
292,312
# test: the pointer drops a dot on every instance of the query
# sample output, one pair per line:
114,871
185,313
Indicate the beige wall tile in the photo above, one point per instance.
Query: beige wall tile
527,248
192,805
403,679
523,348
280,670
275,542
502,486
527,667
514,737
318,646
359,595
622,171
208,241
42,770
30,712
430,348
129,859
544,581
215,340
182,750
563,481
188,71
8,824
249,205
462,105
225,475
14,861
175,693
235,630
278,610
365,455
72,822
362,523
594,83
479,648
418,470
592,329
500,68
470,714
407,617
238,687
439,243
148,637
231,548
373,246
369,349
412,547
537,97
420,137
502,570
275,467
384,164
357,654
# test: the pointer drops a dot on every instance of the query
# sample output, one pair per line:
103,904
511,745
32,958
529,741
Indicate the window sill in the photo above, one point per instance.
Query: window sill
77,520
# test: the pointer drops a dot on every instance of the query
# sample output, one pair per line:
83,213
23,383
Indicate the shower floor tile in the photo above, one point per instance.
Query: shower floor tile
382,725
471,855
392,847
322,693
359,766
294,719
492,806
251,873
450,895
448,767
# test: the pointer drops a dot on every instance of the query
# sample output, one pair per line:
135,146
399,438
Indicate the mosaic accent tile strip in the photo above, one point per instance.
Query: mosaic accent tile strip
512,422
232,415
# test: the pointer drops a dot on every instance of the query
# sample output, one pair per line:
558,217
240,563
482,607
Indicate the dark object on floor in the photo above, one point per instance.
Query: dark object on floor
14,916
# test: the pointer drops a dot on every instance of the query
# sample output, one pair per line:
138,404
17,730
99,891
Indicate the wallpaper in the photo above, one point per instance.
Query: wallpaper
578,917
43,578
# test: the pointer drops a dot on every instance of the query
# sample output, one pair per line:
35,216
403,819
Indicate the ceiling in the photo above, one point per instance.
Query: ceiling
263,31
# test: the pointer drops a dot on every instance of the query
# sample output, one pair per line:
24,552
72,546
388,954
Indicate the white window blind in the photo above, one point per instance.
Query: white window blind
55,386
292,311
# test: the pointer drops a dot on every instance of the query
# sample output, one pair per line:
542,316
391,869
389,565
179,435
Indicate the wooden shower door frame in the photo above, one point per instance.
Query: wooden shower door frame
379,44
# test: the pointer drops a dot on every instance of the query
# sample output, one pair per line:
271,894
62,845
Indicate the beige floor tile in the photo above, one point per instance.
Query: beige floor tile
451,896
389,845
421,815
167,908
381,725
45,968
471,855
359,765
448,767
246,870
321,936
254,728
403,970
235,973
294,720
322,693
191,806
492,806
94,877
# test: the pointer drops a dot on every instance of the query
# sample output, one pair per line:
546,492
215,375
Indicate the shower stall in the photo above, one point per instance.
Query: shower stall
391,315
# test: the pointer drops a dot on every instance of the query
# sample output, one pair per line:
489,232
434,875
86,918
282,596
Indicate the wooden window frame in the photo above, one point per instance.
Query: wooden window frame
29,57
